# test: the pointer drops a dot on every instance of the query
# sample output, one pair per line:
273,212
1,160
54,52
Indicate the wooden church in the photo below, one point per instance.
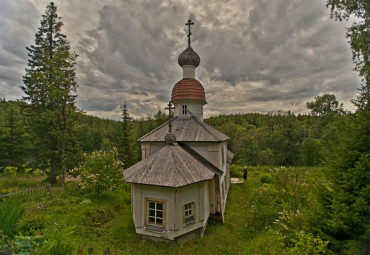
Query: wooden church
183,178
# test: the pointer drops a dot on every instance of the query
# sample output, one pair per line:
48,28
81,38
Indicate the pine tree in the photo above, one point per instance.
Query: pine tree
49,84
126,147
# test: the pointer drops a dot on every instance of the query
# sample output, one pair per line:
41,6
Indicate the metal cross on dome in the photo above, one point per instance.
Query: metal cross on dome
189,23
169,108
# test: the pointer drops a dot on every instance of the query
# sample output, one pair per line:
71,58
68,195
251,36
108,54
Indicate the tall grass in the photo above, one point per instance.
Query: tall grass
10,213
20,182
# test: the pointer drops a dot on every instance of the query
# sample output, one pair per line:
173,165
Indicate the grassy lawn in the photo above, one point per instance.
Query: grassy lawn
22,181
103,225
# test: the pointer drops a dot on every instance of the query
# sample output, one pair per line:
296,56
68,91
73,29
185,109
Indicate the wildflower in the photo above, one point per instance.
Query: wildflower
42,233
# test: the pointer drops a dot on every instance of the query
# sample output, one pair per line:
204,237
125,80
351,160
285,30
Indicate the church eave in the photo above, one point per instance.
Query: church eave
174,165
186,130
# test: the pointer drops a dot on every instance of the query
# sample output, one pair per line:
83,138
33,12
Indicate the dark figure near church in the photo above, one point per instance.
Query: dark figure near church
245,173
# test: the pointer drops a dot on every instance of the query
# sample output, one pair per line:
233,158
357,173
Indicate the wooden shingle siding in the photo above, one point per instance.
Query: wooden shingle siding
145,150
188,88
213,151
186,130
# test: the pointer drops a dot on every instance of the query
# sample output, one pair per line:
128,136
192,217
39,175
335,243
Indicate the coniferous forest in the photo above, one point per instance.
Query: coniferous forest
275,139
308,187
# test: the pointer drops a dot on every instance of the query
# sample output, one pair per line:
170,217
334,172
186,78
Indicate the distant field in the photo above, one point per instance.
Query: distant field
103,225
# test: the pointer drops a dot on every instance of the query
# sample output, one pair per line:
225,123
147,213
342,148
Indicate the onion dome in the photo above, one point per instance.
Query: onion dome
189,57
188,88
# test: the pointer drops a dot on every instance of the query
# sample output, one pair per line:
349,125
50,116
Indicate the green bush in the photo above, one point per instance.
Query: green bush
265,205
306,243
102,170
10,171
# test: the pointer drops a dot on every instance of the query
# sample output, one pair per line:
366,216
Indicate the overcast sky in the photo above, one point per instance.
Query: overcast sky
256,56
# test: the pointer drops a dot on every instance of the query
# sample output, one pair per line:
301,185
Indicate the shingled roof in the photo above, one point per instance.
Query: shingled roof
175,165
188,88
186,130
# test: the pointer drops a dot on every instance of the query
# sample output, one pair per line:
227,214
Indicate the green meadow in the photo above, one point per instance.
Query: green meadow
267,214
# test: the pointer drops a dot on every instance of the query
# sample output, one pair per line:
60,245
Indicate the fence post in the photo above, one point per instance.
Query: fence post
49,188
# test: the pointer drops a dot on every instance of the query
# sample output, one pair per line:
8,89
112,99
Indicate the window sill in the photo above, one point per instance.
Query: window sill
154,228
190,222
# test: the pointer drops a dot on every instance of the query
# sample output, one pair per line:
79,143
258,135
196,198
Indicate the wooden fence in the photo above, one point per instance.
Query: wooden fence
46,189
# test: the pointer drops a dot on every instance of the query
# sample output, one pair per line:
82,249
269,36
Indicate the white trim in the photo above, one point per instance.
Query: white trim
155,214
189,215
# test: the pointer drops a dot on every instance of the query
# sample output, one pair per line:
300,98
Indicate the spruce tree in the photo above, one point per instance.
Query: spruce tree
126,147
14,150
346,215
49,85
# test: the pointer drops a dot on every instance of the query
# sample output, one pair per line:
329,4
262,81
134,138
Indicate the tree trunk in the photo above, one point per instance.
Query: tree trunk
53,171
63,145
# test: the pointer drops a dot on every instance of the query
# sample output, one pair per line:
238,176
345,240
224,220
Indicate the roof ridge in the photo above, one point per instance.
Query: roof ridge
142,172
160,126
188,149
206,126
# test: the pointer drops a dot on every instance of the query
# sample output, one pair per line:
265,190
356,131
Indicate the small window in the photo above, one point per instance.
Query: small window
223,156
184,109
189,213
155,215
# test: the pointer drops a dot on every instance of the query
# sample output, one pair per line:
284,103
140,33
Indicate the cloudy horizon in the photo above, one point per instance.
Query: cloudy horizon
256,56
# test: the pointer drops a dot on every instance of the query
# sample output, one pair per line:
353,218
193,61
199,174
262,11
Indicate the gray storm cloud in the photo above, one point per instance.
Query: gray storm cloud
256,56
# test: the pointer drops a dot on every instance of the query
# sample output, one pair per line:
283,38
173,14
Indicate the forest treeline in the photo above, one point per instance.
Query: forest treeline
19,146
275,139
280,138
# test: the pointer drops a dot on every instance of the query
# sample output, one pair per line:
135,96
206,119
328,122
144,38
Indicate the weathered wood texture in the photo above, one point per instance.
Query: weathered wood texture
229,156
213,151
174,165
186,130
145,150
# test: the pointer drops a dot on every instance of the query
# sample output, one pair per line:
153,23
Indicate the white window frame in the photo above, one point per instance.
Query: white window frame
155,218
189,213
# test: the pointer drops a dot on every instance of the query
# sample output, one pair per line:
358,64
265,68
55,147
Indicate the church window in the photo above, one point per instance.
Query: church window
189,213
155,215
184,109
